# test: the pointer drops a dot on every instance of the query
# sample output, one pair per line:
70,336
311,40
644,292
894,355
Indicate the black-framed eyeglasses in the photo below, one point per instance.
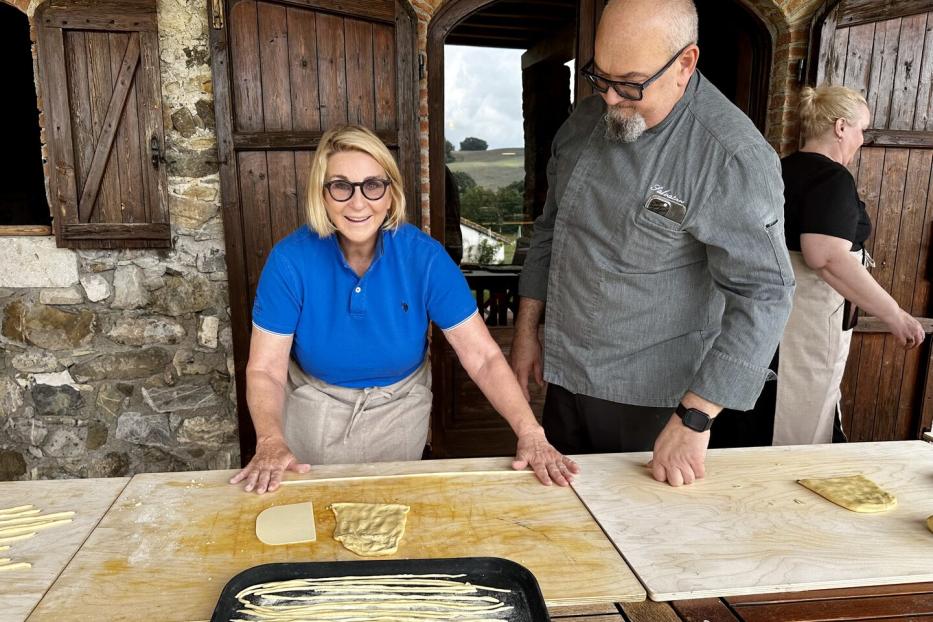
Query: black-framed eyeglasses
341,190
633,91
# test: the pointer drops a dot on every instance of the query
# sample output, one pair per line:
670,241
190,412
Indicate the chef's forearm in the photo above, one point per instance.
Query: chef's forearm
529,315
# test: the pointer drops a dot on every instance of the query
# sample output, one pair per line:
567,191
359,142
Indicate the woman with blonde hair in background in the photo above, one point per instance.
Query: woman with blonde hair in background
338,369
826,226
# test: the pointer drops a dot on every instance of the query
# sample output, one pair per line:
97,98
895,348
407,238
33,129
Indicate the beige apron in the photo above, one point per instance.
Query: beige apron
811,361
328,424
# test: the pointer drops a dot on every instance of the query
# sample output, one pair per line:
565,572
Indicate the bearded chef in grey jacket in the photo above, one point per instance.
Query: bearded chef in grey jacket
659,256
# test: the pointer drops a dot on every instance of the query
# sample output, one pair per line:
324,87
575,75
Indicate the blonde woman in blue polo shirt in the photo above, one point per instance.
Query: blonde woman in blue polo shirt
338,369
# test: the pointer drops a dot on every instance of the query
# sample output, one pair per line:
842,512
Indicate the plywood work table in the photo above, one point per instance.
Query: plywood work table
749,529
171,541
51,549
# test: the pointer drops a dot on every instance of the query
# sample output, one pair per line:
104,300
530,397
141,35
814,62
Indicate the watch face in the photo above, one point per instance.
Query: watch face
696,420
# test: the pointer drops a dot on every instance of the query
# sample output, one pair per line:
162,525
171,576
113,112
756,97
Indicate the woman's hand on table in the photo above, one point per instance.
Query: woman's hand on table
549,465
264,471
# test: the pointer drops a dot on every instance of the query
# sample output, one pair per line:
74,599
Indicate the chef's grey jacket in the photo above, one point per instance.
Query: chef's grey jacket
662,262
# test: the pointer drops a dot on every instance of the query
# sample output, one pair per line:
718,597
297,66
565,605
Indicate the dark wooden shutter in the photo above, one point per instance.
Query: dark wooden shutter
885,51
99,72
284,72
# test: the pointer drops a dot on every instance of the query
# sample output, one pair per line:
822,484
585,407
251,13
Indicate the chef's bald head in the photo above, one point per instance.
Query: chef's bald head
668,25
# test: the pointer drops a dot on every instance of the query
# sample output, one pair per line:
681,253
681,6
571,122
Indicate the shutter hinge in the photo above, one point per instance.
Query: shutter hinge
217,11
422,70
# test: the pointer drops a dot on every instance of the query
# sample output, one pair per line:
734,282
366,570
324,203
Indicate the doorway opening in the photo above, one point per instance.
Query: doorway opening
506,83
23,203
735,54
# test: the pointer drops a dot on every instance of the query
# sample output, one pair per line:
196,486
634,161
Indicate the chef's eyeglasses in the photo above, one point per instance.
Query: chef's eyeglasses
341,190
633,91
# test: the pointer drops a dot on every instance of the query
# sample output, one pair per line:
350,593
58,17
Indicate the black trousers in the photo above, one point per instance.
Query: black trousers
580,424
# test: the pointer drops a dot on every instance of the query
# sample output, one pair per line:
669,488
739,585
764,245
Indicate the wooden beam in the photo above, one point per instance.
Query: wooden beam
926,403
550,16
23,230
107,15
117,231
295,140
899,138
63,194
507,26
495,41
855,12
374,10
559,47
649,611
869,324
709,609
109,130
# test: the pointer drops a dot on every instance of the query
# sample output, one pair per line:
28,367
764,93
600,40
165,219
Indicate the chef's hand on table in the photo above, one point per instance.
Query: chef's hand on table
679,454
549,465
264,471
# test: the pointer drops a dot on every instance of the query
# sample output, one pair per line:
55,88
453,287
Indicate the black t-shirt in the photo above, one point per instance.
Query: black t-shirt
820,197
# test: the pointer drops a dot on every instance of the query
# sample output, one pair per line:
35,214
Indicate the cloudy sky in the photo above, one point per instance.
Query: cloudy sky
483,95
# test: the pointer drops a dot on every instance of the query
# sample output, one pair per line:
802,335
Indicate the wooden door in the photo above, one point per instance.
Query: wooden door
284,72
885,51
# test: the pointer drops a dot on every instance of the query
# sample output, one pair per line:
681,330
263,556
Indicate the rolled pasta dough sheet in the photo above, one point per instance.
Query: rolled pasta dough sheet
370,529
286,524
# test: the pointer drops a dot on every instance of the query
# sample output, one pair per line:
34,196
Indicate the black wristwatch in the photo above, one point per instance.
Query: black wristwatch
694,419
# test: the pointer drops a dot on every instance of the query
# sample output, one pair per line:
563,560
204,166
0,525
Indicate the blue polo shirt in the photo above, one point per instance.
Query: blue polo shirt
357,331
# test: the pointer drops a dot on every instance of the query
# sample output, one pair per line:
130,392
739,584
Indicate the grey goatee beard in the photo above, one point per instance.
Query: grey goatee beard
623,128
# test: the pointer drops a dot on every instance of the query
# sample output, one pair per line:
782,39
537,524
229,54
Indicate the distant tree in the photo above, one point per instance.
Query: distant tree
491,207
484,252
510,199
479,205
471,143
464,181
517,187
448,151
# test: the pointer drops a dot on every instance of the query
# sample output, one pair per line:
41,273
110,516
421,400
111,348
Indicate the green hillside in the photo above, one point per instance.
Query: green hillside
493,168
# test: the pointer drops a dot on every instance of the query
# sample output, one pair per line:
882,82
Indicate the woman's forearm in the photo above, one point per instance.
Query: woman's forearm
847,276
497,382
266,399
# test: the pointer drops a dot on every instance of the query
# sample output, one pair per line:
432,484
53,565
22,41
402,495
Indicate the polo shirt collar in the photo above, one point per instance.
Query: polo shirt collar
380,250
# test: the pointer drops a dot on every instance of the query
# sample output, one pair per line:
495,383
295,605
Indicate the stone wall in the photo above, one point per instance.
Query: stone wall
116,362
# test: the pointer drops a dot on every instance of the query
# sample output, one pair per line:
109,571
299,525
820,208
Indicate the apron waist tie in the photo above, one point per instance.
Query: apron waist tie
362,401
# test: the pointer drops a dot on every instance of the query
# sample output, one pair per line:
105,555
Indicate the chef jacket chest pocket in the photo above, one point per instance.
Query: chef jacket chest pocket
651,242
658,227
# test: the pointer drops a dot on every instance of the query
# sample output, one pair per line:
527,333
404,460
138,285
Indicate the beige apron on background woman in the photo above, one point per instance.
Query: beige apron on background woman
811,360
329,424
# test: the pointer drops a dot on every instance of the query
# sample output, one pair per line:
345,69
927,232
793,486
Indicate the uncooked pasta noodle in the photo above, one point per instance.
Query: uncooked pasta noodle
375,598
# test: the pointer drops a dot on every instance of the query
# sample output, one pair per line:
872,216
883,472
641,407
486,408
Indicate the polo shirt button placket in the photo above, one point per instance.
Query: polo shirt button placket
358,301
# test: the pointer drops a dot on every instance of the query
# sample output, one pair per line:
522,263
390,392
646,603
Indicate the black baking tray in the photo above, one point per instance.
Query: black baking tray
525,597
